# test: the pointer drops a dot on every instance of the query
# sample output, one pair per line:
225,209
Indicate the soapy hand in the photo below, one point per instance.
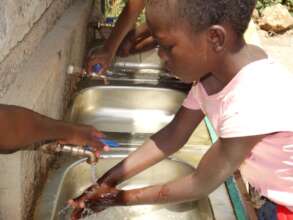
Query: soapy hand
96,198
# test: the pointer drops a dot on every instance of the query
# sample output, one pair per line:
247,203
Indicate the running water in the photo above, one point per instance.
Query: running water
87,212
64,211
65,214
94,173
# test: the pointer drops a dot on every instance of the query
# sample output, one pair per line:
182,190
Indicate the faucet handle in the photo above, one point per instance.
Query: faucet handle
110,143
95,74
96,68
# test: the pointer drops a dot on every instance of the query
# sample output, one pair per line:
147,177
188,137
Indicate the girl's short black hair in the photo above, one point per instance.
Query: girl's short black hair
201,14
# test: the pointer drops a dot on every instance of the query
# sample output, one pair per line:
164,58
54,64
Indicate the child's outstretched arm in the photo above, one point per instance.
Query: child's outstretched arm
124,24
137,40
222,159
162,144
20,127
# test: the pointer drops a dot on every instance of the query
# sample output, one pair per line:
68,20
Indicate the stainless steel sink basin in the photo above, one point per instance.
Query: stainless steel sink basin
70,181
129,114
125,109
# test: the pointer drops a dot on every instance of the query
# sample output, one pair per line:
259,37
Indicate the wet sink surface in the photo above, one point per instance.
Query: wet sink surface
126,109
129,114
76,178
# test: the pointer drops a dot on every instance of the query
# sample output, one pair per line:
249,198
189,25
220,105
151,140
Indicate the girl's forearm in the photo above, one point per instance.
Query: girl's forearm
161,145
124,24
221,160
188,188
147,155
142,31
181,190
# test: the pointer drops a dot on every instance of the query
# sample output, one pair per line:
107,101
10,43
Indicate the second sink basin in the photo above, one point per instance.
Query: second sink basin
69,181
125,109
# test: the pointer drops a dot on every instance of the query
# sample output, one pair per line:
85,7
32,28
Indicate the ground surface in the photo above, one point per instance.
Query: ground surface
280,47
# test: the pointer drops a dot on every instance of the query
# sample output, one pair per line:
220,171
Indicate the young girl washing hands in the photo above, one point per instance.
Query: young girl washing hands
245,95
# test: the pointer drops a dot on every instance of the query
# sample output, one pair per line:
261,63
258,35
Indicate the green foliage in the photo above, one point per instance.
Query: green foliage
261,4
289,4
114,8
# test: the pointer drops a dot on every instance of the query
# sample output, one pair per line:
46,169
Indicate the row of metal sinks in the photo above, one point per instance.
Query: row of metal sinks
128,112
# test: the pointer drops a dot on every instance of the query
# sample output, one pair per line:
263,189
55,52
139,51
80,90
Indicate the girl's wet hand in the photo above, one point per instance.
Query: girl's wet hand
96,198
77,214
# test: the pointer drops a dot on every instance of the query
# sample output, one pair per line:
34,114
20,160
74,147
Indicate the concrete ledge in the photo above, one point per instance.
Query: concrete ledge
39,84
17,19
23,49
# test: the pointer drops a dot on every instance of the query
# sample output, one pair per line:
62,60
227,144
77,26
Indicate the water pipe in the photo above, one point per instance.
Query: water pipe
70,150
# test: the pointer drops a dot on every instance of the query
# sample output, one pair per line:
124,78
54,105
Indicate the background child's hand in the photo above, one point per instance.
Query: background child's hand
99,56
137,40
83,135
97,198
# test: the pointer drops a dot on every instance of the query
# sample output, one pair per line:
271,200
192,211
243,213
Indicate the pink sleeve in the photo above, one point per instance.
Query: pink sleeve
258,108
190,101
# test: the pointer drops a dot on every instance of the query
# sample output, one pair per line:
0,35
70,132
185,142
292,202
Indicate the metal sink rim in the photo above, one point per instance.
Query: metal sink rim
42,205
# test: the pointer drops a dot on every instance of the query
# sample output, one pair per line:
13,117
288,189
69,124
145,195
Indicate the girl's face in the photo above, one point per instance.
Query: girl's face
184,54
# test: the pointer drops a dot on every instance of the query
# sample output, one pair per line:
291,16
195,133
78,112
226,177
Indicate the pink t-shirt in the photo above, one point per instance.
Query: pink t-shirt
258,100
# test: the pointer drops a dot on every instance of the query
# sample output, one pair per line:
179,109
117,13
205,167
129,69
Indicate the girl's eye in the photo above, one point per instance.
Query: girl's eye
166,48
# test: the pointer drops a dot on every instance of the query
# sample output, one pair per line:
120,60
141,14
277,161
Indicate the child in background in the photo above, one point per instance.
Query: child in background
125,40
21,127
245,95
125,23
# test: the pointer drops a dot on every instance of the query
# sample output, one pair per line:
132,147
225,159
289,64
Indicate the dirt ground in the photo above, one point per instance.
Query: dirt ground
280,47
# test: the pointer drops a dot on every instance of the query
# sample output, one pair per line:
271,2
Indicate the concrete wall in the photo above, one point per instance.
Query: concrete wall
38,39
17,19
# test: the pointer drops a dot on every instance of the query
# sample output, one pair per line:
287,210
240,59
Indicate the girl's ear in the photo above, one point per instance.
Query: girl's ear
217,37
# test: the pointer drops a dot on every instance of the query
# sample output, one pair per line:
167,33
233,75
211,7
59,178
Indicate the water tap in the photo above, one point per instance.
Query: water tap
106,24
95,74
71,150
85,151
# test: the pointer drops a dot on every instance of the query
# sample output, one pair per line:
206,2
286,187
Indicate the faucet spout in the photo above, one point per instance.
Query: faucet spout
73,70
72,151
99,76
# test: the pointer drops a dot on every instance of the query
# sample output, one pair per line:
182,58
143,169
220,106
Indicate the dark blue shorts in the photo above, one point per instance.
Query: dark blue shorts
268,211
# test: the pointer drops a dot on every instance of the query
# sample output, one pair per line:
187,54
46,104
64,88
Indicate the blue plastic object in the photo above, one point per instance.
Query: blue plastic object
110,143
110,20
96,68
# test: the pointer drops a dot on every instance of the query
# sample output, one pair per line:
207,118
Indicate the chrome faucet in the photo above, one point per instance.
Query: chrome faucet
103,29
73,70
71,150
105,25
98,25
97,76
